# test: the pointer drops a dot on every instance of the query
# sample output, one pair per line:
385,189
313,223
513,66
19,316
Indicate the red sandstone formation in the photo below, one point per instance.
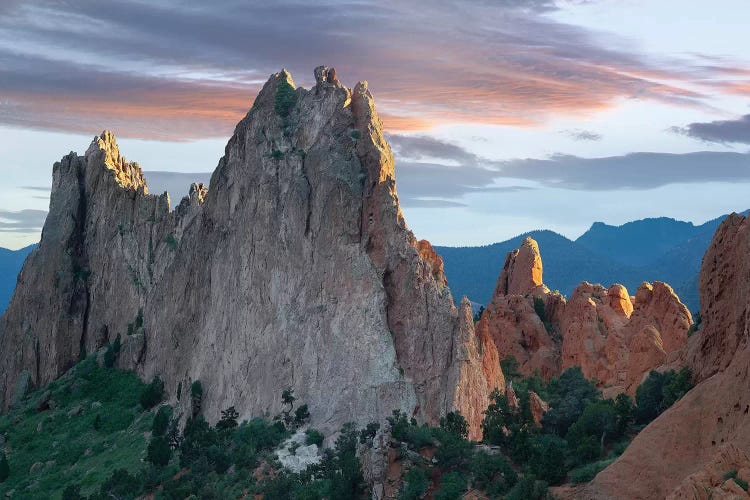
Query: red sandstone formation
613,338
682,451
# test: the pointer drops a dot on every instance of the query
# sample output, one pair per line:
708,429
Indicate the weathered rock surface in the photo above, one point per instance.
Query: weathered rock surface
710,482
614,338
522,271
295,269
688,437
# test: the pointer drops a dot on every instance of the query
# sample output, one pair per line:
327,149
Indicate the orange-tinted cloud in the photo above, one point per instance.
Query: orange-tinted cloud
155,71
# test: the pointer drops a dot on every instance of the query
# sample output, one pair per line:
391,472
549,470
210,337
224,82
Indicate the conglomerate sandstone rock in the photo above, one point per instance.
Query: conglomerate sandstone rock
691,437
614,338
296,269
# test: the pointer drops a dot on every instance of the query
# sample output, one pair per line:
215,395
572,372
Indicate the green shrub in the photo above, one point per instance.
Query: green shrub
152,394
409,432
121,484
547,458
196,397
596,427
415,486
587,472
285,98
539,308
228,419
4,467
171,241
112,352
367,434
741,483
455,423
301,415
660,391
492,473
313,436
161,420
72,492
569,395
452,487
158,452
529,488
510,367
453,452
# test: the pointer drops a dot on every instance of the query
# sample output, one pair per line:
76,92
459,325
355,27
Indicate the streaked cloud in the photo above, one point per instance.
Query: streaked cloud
582,135
183,70
22,221
722,131
457,172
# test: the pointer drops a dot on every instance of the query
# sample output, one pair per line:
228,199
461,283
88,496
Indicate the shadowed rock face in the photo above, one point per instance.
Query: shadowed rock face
678,453
295,269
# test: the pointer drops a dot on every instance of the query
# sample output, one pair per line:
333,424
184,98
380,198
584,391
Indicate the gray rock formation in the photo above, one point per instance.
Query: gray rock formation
296,269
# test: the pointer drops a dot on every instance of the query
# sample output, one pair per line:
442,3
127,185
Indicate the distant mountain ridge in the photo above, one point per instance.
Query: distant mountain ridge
661,249
10,265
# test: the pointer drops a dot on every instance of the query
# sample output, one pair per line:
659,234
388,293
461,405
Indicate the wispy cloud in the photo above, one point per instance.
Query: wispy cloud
23,221
456,172
582,135
182,70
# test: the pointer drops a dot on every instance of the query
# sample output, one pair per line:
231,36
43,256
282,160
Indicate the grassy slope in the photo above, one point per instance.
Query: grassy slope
68,447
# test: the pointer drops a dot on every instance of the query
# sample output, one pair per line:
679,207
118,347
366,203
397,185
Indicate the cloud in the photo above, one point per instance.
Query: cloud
469,173
23,221
177,184
44,189
431,203
723,131
182,70
582,135
419,147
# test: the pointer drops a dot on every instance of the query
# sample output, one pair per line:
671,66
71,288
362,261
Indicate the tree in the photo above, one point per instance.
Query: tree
598,422
228,419
161,420
367,434
648,397
497,418
72,492
120,485
492,474
159,452
569,395
452,486
4,467
345,473
510,367
112,352
196,397
547,458
676,386
152,394
301,415
624,412
455,423
416,482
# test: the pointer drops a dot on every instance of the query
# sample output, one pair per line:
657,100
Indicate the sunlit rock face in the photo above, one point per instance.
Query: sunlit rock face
680,452
295,269
614,339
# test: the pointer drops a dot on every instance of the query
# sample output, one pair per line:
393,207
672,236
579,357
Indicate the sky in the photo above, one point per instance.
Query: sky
505,116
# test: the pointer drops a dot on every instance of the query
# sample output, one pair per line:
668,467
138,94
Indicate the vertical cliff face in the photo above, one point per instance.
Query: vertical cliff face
296,269
678,450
